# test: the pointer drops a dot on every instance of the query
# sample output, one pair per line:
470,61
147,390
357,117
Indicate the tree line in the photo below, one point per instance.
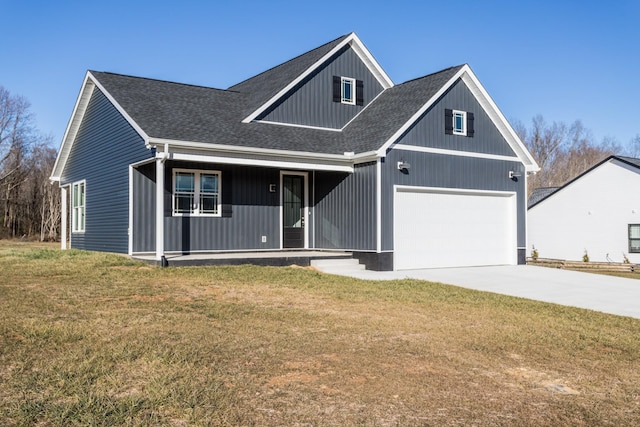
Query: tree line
31,204
565,151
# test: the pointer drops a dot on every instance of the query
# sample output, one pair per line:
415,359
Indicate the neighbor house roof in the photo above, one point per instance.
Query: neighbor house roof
540,194
200,117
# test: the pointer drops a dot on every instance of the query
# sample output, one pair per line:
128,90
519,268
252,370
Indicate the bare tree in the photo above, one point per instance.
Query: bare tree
29,204
562,152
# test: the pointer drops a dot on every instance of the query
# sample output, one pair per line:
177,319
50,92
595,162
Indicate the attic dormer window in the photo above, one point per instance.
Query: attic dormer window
348,90
458,122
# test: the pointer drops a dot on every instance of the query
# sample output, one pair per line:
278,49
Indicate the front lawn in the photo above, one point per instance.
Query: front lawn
98,339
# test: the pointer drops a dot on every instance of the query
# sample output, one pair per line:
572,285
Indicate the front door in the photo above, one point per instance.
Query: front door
293,208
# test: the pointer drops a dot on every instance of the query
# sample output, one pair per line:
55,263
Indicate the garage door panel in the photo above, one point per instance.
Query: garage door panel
436,229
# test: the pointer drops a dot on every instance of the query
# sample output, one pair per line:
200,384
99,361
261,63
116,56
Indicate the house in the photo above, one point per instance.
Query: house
597,212
321,152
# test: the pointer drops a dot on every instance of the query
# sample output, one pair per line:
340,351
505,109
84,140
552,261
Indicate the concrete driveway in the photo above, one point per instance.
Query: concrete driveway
607,294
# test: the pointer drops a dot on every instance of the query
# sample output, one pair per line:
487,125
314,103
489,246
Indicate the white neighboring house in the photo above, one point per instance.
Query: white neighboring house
597,212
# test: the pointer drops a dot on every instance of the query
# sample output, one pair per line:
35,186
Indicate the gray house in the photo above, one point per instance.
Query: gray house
321,152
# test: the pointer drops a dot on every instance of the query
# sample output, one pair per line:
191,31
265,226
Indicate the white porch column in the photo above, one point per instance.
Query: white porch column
64,203
159,208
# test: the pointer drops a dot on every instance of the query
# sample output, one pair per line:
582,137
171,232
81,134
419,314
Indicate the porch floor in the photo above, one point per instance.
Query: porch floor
272,258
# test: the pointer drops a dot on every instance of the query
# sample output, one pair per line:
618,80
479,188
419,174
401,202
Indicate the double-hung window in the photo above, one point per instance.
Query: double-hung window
78,206
196,193
634,238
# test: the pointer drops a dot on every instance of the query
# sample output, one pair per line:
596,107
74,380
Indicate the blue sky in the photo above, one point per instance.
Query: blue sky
566,60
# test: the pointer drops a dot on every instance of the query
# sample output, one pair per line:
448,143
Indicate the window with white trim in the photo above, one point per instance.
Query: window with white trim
78,200
459,122
348,90
634,238
196,193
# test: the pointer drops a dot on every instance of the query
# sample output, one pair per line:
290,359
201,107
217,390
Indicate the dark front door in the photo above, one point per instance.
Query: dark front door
293,211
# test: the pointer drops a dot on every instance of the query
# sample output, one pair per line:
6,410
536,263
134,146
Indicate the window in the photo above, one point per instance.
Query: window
459,122
634,238
348,90
78,207
196,193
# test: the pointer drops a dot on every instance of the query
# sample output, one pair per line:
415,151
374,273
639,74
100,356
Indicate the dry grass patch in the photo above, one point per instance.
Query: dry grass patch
97,339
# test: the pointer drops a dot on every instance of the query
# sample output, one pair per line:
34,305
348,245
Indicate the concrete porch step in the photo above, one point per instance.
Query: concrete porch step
337,265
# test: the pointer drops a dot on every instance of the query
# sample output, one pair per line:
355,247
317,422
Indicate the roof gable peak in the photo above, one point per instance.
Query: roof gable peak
304,65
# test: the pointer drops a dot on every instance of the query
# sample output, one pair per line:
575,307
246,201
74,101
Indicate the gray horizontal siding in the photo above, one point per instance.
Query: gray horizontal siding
311,102
437,170
429,131
345,209
103,149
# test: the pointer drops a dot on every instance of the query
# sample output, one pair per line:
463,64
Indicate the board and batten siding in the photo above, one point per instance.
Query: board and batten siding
429,130
446,171
345,209
311,102
249,211
104,147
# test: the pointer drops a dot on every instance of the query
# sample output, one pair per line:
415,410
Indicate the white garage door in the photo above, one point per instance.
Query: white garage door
435,228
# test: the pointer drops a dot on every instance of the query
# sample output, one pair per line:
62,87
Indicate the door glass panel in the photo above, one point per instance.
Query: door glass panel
292,203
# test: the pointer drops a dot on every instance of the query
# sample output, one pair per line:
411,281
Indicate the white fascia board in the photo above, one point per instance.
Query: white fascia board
79,110
382,151
280,164
487,103
234,149
489,107
458,153
82,101
373,65
362,51
121,110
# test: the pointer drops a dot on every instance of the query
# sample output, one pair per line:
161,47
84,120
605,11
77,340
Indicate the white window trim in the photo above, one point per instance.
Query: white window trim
76,227
196,195
464,122
353,90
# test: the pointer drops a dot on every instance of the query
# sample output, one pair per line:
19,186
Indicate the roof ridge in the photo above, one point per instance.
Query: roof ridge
93,72
291,60
431,74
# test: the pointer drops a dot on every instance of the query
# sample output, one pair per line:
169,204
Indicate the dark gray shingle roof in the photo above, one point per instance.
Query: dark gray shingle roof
184,112
540,193
265,85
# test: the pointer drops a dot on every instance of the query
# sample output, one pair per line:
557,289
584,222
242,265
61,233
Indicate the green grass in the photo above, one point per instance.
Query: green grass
98,339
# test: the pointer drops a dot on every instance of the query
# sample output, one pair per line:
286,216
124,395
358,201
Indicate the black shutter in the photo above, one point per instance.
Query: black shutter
337,89
227,194
359,92
448,121
470,130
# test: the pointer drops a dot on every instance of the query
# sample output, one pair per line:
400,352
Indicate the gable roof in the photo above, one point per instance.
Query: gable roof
273,84
544,195
197,117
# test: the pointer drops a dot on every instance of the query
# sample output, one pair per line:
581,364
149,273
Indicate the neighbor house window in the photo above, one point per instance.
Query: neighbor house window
459,122
78,206
634,238
196,193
